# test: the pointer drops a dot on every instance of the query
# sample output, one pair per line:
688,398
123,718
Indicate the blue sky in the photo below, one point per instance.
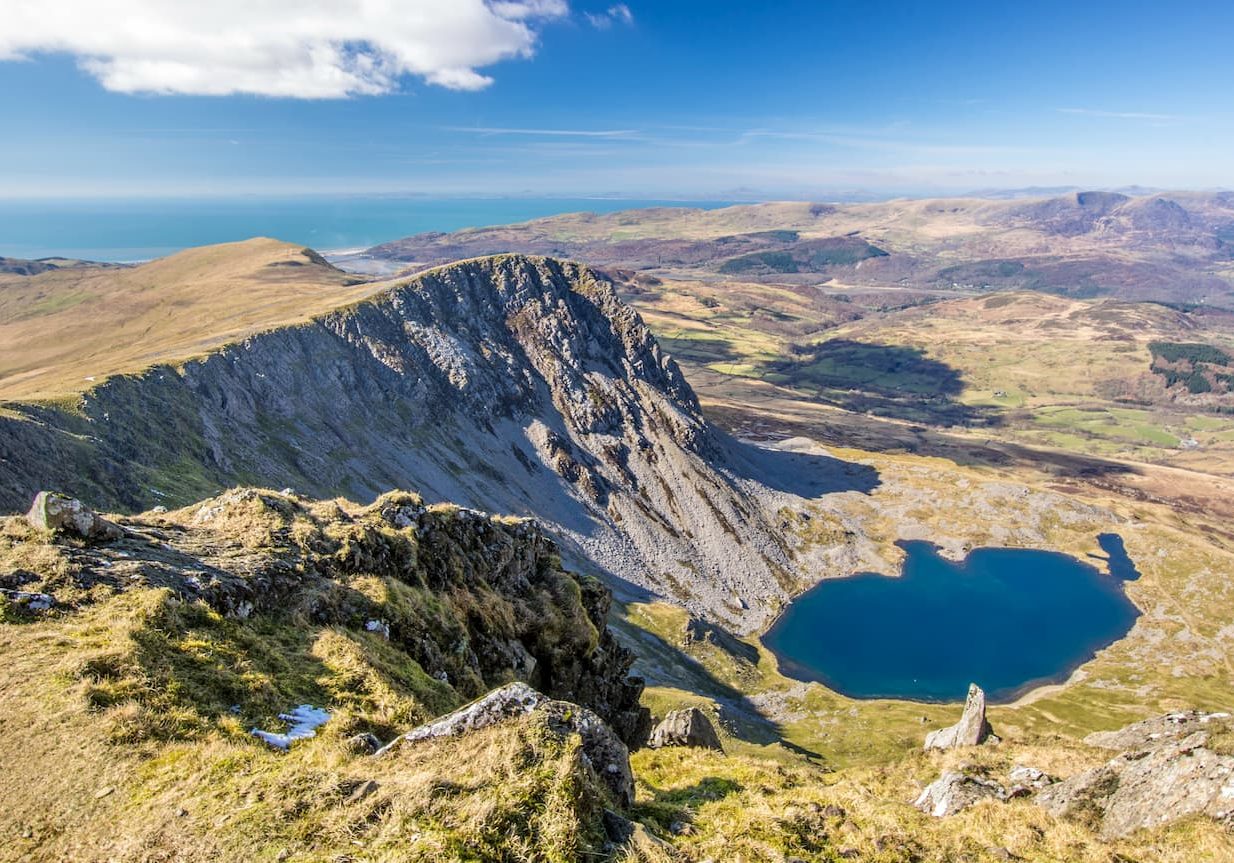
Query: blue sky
643,99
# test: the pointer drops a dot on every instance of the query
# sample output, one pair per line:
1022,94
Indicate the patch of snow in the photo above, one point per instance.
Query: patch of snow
302,723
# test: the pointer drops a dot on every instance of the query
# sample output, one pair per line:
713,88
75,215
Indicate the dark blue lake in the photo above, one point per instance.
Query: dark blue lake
1008,619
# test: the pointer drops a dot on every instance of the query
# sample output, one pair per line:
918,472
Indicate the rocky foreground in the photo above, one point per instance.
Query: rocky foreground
261,676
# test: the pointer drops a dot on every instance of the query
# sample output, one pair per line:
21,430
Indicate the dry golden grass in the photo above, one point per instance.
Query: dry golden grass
62,330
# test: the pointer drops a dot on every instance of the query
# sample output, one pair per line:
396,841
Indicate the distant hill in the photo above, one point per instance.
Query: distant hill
1172,247
109,320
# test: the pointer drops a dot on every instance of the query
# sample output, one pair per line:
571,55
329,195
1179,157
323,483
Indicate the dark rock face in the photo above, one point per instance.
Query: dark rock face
971,730
1166,772
689,727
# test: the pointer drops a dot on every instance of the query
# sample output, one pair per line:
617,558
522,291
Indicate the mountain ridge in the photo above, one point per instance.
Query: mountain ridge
508,383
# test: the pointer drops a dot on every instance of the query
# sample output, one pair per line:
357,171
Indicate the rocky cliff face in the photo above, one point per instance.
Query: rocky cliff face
507,384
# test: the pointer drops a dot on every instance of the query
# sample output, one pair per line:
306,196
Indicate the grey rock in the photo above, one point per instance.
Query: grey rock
971,730
1152,732
60,513
1027,780
363,744
31,601
508,702
603,750
1174,777
954,792
688,727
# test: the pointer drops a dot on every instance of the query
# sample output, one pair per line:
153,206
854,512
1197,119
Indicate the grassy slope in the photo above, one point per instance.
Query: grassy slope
131,689
60,330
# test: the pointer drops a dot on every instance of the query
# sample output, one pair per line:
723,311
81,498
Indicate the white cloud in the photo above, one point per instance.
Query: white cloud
619,13
307,49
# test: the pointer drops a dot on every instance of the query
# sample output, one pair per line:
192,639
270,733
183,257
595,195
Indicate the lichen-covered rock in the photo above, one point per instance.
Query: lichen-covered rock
688,727
508,702
60,513
1161,778
1027,780
971,730
953,792
603,750
1153,732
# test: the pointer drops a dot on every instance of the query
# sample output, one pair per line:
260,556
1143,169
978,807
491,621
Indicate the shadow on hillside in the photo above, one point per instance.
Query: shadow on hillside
882,380
804,474
667,665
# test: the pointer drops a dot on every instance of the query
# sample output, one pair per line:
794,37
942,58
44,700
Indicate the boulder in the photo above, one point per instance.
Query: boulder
507,702
1028,780
1160,781
688,727
603,751
953,792
971,730
59,513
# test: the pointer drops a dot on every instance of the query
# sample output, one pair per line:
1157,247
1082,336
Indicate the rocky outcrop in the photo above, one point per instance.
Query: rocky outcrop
468,600
1168,771
954,792
971,730
603,750
60,513
507,384
688,727
508,702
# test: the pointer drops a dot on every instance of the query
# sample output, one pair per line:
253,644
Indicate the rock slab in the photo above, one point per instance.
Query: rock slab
60,513
954,792
1160,780
688,727
971,730
602,749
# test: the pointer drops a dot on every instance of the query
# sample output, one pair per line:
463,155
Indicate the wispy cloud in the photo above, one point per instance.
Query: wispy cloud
1122,115
618,13
546,133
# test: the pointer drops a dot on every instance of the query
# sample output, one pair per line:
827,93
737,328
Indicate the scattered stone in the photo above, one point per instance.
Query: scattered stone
379,626
1162,779
104,792
1026,780
833,811
160,509
60,513
688,727
363,744
954,792
29,600
971,730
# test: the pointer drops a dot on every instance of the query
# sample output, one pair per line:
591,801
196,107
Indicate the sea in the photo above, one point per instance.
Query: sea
142,229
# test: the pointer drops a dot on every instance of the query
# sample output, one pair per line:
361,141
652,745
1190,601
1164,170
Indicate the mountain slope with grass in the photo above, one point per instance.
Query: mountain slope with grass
160,652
